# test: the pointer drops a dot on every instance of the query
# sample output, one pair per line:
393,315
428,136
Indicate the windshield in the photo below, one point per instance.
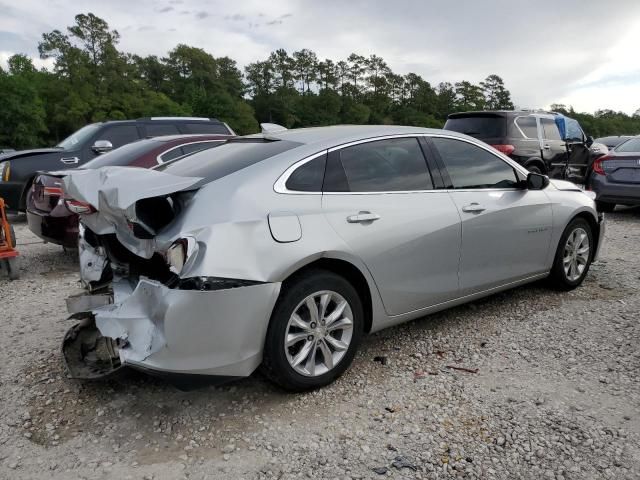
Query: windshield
124,155
72,141
479,126
632,145
227,158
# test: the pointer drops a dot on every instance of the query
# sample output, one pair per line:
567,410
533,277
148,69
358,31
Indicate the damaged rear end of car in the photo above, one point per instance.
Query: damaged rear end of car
155,301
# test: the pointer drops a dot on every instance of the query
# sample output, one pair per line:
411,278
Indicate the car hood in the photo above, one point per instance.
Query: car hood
113,192
28,153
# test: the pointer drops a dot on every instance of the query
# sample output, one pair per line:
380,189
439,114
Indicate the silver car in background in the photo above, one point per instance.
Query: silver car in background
282,249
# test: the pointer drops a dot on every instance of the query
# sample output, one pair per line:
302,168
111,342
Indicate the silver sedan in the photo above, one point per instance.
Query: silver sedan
281,250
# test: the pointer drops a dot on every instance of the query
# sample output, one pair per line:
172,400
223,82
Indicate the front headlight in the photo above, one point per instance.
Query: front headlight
5,170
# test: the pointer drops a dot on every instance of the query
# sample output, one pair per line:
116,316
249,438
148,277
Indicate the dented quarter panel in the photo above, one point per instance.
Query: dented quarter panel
213,333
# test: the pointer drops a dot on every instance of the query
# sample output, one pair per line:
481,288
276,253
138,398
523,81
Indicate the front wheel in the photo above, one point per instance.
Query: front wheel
534,169
314,333
573,256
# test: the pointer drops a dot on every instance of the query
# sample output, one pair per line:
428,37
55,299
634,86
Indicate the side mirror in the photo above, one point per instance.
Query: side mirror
102,146
536,181
589,141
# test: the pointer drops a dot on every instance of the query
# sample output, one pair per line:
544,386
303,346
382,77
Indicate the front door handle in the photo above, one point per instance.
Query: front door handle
363,217
70,160
546,146
473,208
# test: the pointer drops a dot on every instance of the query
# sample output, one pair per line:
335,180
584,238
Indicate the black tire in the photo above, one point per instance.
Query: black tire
605,207
275,364
558,278
534,169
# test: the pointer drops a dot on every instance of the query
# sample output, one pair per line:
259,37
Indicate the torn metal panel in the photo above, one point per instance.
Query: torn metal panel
137,322
93,261
117,188
168,330
113,191
84,303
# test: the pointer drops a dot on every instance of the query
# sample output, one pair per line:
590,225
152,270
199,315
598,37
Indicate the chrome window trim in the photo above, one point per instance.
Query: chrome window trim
159,157
280,184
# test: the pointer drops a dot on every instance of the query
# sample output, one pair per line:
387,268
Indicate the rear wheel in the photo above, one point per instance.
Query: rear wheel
605,207
314,332
574,254
534,169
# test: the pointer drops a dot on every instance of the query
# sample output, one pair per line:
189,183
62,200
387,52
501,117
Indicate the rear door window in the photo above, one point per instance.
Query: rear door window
119,135
390,165
479,126
159,129
550,129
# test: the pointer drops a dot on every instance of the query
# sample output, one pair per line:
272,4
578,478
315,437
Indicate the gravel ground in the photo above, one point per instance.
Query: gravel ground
551,391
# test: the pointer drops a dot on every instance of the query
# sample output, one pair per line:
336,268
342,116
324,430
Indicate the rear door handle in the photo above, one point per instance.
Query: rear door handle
363,217
70,160
546,146
473,208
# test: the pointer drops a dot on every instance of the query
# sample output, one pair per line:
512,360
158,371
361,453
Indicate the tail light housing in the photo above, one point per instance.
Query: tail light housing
53,192
78,207
506,149
597,165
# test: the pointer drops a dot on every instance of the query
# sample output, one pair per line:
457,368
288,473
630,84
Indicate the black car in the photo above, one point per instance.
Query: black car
534,139
18,169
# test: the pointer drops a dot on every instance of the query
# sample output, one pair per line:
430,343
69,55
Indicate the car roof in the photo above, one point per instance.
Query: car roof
340,134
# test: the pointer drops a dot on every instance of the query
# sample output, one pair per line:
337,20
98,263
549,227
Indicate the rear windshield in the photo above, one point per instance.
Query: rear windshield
611,141
227,158
632,145
124,155
479,126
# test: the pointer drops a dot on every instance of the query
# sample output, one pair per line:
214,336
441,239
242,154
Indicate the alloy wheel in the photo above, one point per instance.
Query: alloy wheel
576,254
319,333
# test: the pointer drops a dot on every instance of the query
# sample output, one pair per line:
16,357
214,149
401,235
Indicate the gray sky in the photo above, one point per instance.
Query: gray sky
583,53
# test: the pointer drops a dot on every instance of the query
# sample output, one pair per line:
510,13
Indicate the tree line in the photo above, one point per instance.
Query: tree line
93,81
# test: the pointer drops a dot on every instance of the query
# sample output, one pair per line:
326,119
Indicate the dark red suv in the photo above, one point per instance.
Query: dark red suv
48,213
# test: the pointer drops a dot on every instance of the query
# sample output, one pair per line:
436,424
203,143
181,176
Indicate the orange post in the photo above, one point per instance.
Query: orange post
8,251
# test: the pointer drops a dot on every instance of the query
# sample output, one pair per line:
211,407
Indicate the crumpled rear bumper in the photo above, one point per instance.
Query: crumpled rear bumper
170,331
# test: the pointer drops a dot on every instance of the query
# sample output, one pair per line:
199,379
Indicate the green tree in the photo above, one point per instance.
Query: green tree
469,96
497,97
